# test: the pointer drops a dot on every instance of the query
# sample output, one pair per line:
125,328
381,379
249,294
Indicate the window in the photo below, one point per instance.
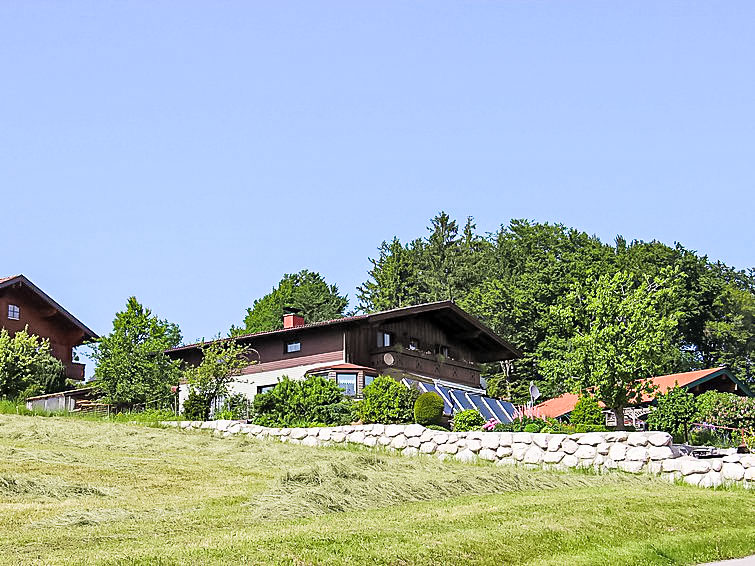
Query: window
294,346
265,388
368,379
413,344
14,313
348,383
384,339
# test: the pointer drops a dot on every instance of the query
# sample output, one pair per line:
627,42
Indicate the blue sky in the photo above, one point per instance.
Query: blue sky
190,153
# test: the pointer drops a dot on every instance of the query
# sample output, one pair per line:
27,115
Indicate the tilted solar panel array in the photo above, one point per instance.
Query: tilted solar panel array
456,400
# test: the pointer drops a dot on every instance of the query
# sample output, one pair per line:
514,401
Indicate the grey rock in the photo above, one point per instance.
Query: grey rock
503,451
474,444
428,447
487,454
660,452
617,452
398,442
637,454
414,430
569,461
604,448
689,465
637,439
631,466
448,448
585,451
393,430
410,451
414,441
553,457
533,455
591,438
554,442
298,433
569,446
466,456
733,471
659,439
540,439
490,441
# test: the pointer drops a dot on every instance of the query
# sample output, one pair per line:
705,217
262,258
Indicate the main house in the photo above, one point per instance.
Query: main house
433,346
23,304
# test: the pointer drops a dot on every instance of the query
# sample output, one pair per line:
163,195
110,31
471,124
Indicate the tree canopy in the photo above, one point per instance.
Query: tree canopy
512,277
619,329
132,367
27,367
305,292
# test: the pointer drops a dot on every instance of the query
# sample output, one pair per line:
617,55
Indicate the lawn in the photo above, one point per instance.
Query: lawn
76,491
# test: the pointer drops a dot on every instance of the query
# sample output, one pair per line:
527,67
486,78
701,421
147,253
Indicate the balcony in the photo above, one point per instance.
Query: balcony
426,364
75,370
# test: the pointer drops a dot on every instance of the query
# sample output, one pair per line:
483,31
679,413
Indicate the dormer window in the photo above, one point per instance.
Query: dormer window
14,313
293,346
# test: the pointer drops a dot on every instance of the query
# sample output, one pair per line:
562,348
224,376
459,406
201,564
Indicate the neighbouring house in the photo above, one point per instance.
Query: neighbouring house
23,304
433,346
696,382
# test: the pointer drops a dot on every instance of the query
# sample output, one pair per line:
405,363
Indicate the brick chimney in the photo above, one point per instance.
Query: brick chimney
292,320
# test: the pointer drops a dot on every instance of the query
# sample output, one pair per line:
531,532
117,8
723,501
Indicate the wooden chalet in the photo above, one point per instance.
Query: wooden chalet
23,304
432,343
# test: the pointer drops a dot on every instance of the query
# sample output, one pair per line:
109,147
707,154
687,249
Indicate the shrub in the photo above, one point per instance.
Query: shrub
428,409
468,420
437,427
726,409
675,411
590,428
313,401
27,367
195,408
386,401
587,411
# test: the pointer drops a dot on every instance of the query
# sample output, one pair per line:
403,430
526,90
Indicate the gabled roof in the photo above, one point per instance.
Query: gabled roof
20,279
564,404
469,328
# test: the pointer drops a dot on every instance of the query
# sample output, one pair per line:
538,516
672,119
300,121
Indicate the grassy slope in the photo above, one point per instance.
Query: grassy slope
76,491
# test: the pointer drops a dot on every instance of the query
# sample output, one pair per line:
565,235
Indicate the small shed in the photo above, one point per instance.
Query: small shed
59,402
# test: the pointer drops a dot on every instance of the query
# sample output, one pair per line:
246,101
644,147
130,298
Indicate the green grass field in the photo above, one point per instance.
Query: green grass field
76,491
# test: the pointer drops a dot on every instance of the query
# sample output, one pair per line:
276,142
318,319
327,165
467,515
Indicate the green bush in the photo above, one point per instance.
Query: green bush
725,409
27,367
313,401
428,409
587,411
674,413
468,420
437,427
590,428
533,427
195,408
386,401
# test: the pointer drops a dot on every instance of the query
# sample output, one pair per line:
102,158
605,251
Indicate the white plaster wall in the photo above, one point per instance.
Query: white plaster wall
247,384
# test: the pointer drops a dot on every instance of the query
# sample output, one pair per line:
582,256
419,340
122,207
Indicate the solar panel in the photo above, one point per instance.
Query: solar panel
460,400
497,407
481,406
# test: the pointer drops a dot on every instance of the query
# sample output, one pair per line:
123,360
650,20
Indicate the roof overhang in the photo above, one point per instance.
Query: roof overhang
22,280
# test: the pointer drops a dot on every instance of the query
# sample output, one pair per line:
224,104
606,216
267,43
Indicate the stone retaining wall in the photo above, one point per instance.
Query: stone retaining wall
634,452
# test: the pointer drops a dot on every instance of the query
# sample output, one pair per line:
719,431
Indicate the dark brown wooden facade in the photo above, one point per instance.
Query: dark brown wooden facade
431,341
23,304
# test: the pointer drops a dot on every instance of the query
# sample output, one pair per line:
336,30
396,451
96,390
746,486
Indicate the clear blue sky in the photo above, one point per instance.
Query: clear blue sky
190,153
